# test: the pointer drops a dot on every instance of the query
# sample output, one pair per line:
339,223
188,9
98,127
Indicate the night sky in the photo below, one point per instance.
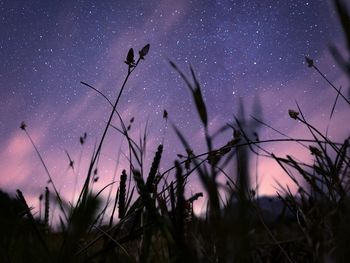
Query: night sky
238,49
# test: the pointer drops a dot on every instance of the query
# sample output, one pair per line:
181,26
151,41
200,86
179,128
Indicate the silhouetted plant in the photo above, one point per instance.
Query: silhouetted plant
155,221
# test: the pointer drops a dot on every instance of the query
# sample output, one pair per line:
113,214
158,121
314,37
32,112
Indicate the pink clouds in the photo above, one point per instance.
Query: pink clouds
16,162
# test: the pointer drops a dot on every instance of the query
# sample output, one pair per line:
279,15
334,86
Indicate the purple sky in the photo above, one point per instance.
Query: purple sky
239,49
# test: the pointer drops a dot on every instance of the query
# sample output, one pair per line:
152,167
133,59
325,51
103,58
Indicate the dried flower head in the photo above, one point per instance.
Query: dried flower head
315,151
309,62
165,114
144,51
23,125
130,58
293,114
82,139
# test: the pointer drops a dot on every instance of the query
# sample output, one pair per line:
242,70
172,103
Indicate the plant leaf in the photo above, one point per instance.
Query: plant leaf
198,99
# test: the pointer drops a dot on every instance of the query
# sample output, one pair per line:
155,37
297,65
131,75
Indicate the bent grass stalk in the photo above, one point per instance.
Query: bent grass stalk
131,68
60,202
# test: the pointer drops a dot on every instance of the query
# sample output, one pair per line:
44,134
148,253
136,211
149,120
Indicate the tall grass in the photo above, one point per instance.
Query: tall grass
151,219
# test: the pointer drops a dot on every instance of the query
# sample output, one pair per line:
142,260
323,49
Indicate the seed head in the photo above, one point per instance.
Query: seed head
23,125
309,62
144,51
165,114
82,139
293,114
315,151
130,58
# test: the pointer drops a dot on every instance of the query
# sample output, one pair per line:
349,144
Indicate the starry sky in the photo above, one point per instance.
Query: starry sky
239,50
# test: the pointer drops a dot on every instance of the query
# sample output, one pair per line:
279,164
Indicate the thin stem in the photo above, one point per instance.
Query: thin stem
243,144
92,163
48,173
331,84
